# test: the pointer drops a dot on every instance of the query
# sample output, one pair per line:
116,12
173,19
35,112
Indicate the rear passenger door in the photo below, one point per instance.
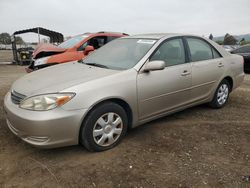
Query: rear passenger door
207,67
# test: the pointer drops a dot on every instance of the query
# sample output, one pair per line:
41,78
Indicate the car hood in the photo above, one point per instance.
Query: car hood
57,78
43,50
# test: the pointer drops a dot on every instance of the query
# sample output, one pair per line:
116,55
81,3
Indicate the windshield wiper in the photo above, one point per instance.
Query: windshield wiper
97,65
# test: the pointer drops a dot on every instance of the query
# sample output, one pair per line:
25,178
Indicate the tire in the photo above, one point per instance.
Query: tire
106,121
221,95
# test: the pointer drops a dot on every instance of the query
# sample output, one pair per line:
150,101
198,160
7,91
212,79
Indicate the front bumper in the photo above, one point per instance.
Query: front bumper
46,129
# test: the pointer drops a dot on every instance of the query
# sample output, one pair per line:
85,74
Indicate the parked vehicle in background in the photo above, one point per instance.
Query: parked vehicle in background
245,52
229,48
25,55
26,51
71,50
128,82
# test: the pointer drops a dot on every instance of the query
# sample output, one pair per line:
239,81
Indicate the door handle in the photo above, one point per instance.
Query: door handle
185,73
220,65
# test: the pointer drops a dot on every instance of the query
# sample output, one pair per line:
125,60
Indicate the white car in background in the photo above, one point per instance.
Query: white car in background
230,48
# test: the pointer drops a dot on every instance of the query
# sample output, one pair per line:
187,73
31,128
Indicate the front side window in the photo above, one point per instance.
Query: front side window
120,54
199,49
171,52
83,46
110,38
96,42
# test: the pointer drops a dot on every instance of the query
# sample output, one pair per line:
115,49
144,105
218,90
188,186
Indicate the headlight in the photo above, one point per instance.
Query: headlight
41,61
46,102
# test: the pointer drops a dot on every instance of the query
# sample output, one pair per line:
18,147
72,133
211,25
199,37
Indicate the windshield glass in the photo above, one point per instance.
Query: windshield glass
72,42
120,54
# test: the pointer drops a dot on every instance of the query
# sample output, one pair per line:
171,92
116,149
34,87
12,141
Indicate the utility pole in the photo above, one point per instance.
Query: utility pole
38,31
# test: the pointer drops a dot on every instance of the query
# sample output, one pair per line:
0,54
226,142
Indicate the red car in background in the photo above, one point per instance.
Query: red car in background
76,48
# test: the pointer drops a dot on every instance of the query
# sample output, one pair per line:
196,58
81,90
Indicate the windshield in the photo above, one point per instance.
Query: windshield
72,42
120,54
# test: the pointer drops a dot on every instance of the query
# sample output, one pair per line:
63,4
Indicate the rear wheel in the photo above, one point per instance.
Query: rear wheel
221,95
104,127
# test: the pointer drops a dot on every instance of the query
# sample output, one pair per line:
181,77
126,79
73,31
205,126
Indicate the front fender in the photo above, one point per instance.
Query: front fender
118,86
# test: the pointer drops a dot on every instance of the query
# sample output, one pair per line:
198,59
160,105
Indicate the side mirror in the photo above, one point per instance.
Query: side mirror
88,49
154,65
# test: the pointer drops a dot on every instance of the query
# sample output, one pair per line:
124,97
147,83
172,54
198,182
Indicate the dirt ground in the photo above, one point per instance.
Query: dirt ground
6,56
198,147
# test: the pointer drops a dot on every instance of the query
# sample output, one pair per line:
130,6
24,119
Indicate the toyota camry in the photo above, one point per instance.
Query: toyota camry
126,83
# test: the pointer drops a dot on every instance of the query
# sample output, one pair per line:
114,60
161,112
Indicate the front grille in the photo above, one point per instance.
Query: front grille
16,97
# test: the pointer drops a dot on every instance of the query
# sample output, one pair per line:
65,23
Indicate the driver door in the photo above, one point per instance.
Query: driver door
164,90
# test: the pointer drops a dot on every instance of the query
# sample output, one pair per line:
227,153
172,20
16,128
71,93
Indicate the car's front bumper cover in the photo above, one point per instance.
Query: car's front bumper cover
47,129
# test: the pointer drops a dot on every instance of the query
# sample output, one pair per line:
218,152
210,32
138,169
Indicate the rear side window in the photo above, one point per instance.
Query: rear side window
171,52
199,49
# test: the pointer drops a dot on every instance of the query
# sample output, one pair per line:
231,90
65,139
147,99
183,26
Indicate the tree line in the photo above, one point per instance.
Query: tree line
5,39
230,40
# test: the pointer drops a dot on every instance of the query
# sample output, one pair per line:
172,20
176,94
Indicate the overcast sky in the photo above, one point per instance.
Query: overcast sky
72,17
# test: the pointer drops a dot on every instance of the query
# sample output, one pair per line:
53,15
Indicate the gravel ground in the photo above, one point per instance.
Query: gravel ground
198,147
6,56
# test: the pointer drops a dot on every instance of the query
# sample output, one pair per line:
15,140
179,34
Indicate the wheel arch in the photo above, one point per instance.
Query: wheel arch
124,105
116,100
230,81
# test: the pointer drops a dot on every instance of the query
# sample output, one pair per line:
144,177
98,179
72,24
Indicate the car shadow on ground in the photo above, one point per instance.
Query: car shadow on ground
131,134
141,130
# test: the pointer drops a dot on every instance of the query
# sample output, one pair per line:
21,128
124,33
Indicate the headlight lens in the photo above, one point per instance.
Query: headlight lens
46,102
41,61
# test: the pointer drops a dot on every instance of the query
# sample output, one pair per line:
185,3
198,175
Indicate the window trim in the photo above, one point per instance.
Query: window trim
199,38
169,39
213,49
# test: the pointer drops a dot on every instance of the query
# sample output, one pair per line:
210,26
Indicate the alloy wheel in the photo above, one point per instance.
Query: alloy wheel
222,94
107,129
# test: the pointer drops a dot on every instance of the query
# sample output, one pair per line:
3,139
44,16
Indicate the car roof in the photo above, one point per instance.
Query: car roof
155,35
88,34
105,33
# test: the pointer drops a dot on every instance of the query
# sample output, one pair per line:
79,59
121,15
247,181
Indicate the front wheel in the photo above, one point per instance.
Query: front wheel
104,127
221,95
